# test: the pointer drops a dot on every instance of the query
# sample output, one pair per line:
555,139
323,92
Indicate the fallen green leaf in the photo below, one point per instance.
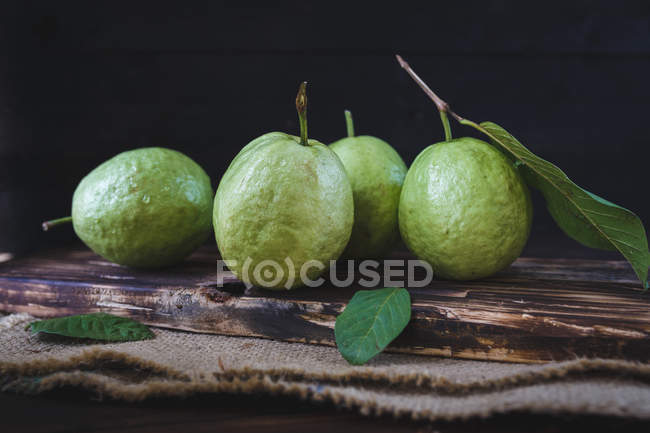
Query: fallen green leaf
371,320
96,326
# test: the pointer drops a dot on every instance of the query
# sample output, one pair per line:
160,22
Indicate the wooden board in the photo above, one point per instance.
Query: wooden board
538,310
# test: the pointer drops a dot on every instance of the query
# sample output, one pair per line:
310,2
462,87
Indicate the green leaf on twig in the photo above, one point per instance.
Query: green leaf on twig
583,216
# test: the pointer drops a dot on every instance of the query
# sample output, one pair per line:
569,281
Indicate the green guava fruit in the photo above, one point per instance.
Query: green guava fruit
145,208
464,209
376,173
284,202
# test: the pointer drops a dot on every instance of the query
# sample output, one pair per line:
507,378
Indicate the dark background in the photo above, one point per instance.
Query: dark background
81,82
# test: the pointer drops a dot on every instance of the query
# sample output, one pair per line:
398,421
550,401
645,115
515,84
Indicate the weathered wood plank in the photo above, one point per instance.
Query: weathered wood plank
536,311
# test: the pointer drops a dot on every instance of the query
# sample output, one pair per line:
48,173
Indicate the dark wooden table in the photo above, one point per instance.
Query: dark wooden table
71,410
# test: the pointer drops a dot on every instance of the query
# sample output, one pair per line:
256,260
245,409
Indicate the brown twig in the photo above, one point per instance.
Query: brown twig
443,107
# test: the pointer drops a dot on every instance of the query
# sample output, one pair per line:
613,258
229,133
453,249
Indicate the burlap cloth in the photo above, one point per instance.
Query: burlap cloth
181,364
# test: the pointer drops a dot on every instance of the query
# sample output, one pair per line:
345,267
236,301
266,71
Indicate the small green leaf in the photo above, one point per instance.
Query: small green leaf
583,216
372,319
96,326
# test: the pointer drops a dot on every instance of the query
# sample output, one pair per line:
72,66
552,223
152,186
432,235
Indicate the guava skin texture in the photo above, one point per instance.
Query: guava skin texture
376,173
279,201
144,208
464,209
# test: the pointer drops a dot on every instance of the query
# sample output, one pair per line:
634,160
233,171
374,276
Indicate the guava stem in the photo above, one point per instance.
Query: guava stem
445,125
443,107
349,123
52,223
301,107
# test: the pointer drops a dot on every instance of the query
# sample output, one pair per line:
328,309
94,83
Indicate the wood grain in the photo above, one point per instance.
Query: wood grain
537,310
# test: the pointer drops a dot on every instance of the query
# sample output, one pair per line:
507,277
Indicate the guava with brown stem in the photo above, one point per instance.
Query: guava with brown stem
464,207
283,209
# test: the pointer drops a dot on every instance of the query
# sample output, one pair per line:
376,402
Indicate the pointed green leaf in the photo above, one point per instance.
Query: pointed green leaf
583,216
371,320
96,326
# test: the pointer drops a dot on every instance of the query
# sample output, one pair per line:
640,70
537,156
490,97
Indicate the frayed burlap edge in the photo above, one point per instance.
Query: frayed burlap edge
106,387
96,359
